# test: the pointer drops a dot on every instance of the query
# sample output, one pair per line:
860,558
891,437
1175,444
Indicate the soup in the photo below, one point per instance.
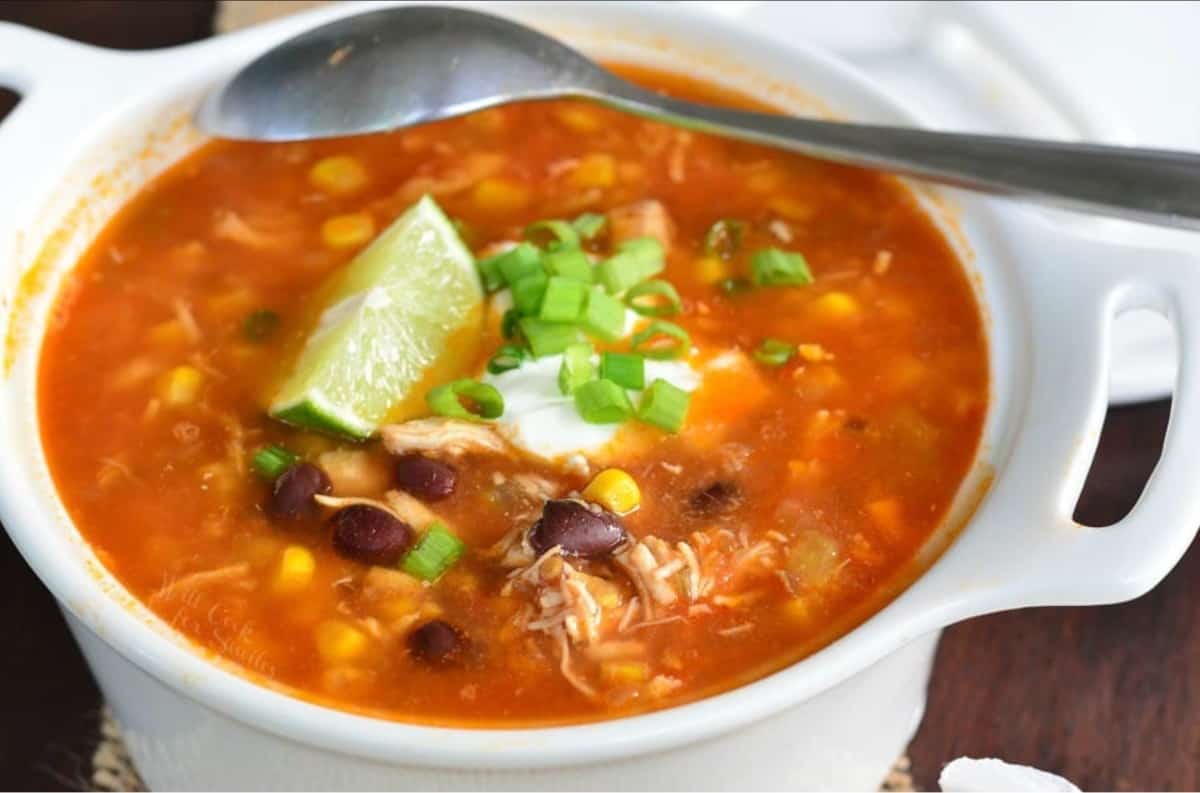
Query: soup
686,432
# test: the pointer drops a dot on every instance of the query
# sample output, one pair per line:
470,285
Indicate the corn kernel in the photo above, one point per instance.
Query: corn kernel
614,490
798,609
578,118
888,516
766,178
181,385
234,303
710,269
296,568
790,208
395,608
836,305
624,671
595,170
348,231
500,196
168,334
338,642
339,175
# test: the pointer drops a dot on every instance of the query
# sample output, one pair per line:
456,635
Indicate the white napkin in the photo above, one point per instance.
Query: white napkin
971,775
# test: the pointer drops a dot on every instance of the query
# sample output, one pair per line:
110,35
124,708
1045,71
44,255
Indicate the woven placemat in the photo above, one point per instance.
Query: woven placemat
112,768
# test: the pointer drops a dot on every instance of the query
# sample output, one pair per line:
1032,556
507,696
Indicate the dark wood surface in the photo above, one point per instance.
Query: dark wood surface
1107,696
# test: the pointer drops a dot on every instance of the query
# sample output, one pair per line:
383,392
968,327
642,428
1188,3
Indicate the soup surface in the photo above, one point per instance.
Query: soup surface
827,421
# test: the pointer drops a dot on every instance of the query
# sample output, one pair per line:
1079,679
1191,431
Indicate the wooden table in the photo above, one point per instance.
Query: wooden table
1106,696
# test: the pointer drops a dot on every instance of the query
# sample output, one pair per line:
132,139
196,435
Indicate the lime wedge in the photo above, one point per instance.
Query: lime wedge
391,316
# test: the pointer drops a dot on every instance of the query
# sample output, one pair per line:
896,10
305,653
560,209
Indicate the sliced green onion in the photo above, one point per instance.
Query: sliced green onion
654,299
723,238
602,402
603,316
589,225
506,359
547,338
518,263
576,368
489,273
662,340
569,263
434,554
466,399
260,325
564,299
626,369
774,352
527,293
773,267
271,461
552,234
635,261
508,323
734,286
664,405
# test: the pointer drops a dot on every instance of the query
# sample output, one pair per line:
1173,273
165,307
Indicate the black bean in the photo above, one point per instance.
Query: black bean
582,530
370,535
293,491
437,642
718,498
424,477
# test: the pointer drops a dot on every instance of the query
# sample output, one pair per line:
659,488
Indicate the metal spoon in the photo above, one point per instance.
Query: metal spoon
407,65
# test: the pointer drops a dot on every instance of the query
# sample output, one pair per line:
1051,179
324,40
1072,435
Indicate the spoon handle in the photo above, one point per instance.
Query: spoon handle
1150,185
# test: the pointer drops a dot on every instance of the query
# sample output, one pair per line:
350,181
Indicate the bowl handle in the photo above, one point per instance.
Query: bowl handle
64,86
1025,548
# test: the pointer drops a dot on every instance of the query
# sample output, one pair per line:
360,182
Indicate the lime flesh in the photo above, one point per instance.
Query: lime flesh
393,314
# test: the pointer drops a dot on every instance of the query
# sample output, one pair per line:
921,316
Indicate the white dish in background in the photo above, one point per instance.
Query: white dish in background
1006,68
836,719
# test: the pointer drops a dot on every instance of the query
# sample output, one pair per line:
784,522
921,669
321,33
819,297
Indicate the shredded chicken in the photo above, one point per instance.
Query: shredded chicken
647,218
234,574
463,175
410,510
231,226
451,437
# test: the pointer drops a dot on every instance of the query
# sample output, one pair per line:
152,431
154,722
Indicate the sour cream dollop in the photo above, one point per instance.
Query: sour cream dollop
540,420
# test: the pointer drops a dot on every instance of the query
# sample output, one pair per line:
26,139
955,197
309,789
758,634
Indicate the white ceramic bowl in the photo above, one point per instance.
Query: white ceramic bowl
95,125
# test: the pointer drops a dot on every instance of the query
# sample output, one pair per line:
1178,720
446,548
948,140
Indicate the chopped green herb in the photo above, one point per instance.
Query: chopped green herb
664,406
563,300
528,291
634,262
626,369
576,369
506,359
774,267
466,399
774,352
589,225
602,402
434,554
552,234
724,238
260,325
569,263
547,338
662,340
519,262
508,323
271,461
654,299
603,316
489,274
